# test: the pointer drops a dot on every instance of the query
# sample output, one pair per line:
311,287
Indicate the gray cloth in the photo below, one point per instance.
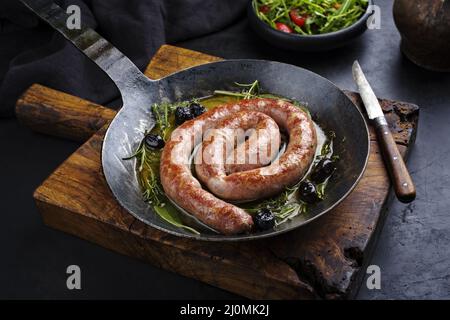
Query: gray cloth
31,52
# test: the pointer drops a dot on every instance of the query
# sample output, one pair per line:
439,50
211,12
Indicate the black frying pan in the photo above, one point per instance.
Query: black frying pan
328,105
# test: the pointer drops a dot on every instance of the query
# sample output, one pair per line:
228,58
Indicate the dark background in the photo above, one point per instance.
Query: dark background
413,251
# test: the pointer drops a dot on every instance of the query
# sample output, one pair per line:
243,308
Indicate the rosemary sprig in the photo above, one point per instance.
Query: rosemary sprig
253,90
148,161
284,207
327,147
249,91
153,193
162,112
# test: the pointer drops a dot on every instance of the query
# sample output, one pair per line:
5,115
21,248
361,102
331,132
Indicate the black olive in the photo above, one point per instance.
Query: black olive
307,192
183,114
323,170
264,219
154,141
197,109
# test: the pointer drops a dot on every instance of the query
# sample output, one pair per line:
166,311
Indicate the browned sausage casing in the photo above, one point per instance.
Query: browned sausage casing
183,188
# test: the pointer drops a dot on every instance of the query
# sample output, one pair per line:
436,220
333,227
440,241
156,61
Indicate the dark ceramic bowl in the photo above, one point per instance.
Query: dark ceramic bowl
311,43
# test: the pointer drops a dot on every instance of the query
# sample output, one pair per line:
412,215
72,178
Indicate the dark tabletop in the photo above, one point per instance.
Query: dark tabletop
413,251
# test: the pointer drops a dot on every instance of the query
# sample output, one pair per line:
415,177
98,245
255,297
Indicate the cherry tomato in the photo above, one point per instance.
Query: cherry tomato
264,9
297,18
283,27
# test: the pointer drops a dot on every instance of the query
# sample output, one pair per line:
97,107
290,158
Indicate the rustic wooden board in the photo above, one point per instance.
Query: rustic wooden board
325,259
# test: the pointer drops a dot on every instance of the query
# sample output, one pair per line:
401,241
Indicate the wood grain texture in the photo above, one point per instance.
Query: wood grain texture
324,259
91,212
53,112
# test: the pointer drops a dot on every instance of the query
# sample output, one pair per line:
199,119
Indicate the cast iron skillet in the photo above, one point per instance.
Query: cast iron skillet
329,107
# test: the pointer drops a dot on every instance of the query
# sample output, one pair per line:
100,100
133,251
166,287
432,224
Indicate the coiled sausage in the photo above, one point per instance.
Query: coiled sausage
261,181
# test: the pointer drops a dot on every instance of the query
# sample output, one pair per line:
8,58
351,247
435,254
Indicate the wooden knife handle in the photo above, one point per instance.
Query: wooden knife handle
59,114
401,179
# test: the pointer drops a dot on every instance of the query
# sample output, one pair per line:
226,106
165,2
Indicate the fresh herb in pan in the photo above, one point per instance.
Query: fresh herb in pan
163,112
283,207
148,155
295,200
248,91
308,17
148,175
267,213
252,91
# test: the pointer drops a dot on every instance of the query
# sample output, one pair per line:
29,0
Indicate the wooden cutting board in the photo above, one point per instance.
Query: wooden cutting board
325,259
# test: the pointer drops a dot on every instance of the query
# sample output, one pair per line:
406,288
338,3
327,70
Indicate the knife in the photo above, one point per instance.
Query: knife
403,184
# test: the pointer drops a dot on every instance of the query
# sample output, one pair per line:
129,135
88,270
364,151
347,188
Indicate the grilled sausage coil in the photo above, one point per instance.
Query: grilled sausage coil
241,181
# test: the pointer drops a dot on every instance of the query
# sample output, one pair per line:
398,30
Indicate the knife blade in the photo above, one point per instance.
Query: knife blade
400,177
367,95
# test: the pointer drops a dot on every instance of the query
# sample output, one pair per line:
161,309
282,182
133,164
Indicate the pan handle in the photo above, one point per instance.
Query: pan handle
112,61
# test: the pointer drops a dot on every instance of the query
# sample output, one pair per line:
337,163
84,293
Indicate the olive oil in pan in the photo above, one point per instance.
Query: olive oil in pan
285,206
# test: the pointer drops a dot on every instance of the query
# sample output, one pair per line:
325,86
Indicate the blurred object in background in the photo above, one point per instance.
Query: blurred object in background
425,29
